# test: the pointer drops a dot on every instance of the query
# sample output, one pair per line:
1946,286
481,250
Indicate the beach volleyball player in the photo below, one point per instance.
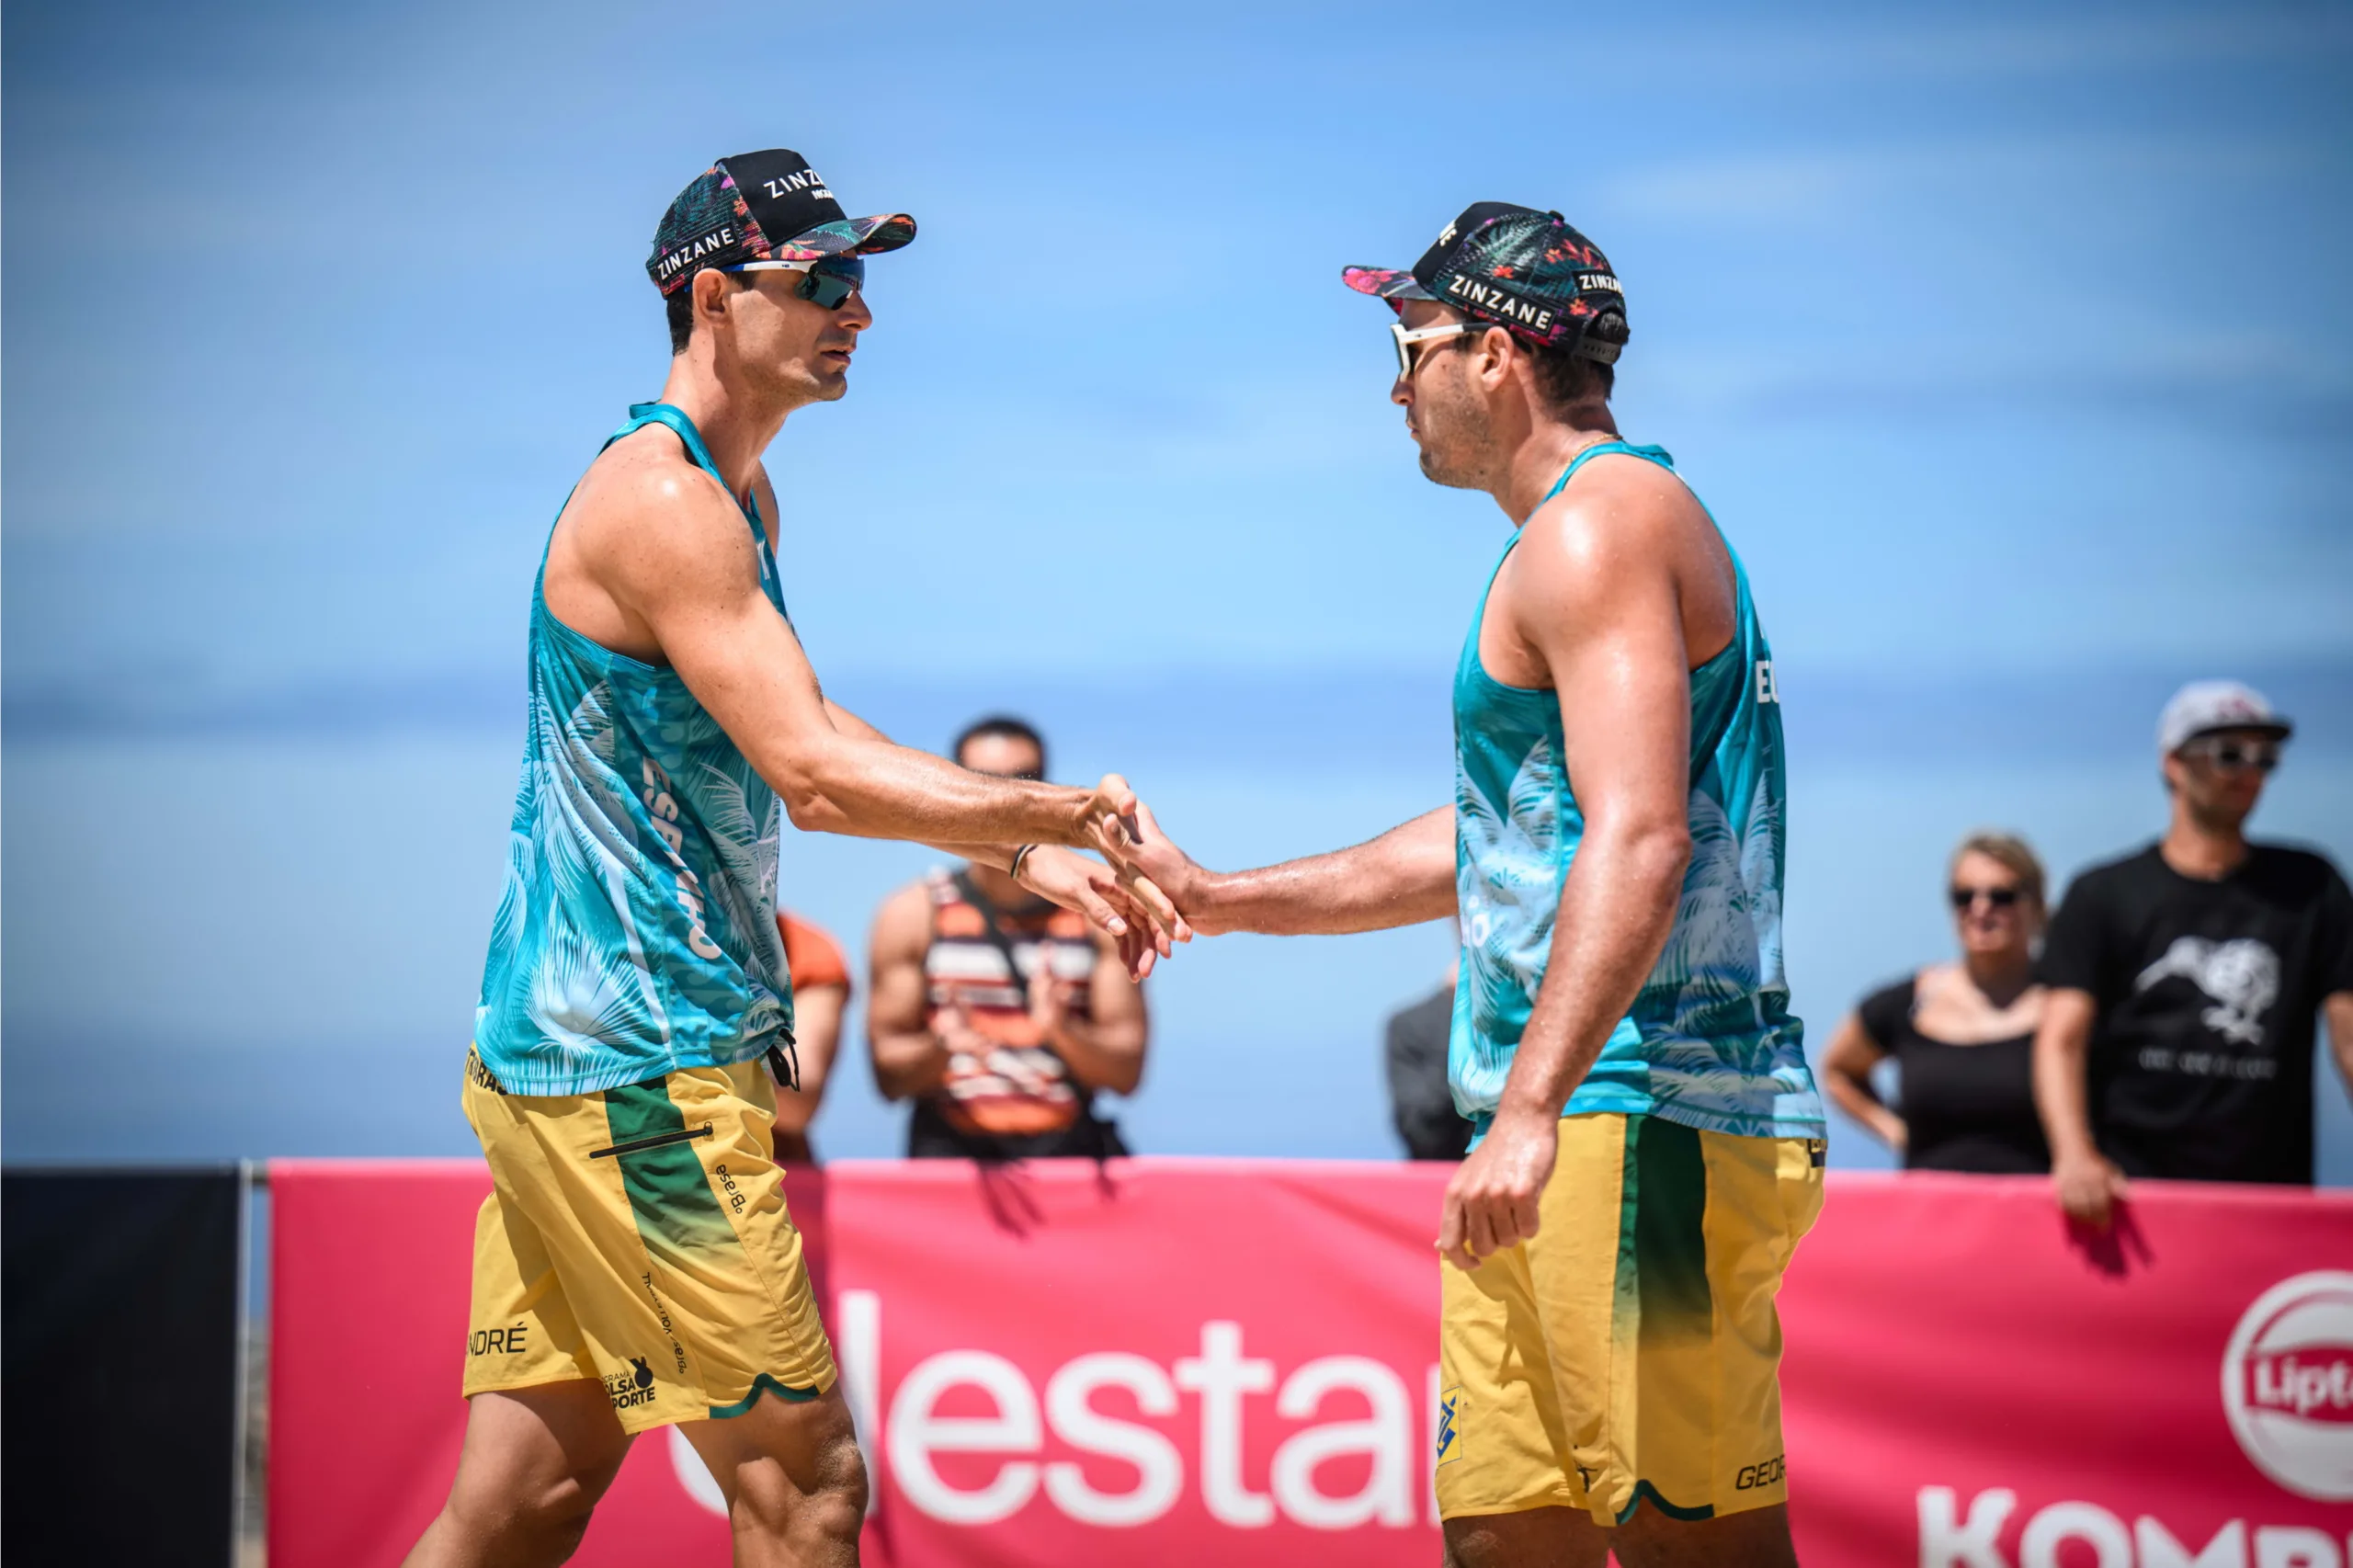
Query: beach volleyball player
634,1265
1650,1138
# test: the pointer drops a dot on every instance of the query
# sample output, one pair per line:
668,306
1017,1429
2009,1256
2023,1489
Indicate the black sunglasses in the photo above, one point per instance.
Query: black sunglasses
2000,898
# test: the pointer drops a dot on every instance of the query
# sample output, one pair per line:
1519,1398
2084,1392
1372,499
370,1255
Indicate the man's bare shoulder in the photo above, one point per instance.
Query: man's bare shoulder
1623,525
902,922
644,507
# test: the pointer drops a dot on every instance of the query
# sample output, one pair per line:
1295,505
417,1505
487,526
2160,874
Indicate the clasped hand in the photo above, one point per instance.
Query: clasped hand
1118,892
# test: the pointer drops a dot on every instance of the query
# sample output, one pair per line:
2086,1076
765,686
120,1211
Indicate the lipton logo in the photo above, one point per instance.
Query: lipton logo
2288,1384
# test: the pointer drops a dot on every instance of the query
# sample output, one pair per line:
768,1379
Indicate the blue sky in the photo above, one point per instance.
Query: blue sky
2008,343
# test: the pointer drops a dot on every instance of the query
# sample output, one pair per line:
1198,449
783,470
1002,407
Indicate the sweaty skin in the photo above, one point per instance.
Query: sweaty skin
651,559
1619,588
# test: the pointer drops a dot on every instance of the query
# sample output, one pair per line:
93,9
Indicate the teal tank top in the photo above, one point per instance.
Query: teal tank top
637,934
1710,1042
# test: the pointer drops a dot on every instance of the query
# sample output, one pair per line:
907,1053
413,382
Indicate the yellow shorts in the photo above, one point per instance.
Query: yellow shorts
1630,1352
639,1237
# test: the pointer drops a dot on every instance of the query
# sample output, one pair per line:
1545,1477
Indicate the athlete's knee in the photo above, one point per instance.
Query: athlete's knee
536,1524
1557,1538
822,1498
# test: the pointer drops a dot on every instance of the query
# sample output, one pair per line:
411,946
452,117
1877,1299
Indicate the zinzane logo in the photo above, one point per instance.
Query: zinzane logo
1536,318
2288,1385
807,182
701,246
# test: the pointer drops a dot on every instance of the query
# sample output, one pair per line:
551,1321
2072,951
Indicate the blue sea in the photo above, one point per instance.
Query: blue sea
253,926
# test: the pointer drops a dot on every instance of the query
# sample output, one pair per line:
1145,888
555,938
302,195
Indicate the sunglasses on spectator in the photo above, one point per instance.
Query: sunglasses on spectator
827,282
2000,898
1406,339
2261,756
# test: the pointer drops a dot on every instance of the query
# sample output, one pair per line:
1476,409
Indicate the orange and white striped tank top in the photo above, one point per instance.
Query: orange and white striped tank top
1003,1080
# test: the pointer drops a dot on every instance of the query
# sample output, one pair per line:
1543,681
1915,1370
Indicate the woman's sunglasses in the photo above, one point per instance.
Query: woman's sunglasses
2000,898
827,282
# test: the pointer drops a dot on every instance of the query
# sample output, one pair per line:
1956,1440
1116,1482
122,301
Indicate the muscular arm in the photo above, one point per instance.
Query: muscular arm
1592,599
1847,1074
1069,879
1106,1052
670,550
1402,877
908,1058
2087,1184
1599,608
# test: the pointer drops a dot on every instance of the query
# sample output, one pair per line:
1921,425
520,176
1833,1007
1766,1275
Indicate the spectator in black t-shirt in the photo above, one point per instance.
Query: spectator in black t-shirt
2178,1039
1962,1034
1421,1105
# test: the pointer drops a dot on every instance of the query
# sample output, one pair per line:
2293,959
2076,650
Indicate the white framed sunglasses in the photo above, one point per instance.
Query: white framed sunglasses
1406,339
828,280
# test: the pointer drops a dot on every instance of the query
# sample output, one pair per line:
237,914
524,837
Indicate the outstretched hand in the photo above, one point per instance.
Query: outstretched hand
1153,856
1125,831
1136,914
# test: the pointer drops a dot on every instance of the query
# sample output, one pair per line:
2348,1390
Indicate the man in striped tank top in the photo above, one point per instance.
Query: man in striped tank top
1001,1014
1650,1142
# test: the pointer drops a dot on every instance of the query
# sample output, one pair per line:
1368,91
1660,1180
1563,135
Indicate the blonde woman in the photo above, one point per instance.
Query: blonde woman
1961,1033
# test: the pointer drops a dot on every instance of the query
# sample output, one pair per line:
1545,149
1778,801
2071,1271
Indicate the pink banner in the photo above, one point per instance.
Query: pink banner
1160,1361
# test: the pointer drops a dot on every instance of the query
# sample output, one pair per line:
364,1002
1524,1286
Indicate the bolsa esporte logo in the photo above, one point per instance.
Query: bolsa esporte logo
2288,1384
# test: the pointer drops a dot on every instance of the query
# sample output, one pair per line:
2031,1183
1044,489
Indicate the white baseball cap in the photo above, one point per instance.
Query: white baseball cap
2204,706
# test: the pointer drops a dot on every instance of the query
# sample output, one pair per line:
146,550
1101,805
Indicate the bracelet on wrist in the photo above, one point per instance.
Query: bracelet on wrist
1019,856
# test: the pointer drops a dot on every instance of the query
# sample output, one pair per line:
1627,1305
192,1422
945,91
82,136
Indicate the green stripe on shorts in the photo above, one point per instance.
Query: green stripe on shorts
676,1211
1670,1230
1663,1257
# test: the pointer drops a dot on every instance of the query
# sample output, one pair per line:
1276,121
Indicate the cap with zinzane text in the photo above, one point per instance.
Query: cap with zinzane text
768,206
1519,268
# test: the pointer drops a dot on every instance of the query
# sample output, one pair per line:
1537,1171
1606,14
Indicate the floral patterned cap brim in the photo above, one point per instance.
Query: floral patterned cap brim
1387,283
851,236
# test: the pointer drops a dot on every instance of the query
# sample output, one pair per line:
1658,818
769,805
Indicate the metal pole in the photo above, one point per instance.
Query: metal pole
244,1359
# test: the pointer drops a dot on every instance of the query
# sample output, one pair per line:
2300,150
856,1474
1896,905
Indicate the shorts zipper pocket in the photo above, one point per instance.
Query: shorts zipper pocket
660,1139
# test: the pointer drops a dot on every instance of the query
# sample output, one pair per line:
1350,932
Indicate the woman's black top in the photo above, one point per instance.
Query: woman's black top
1966,1107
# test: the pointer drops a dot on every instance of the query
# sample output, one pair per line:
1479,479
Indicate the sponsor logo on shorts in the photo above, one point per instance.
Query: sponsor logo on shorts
2288,1384
1769,1473
678,1351
1452,1407
732,1187
632,1387
483,1077
512,1340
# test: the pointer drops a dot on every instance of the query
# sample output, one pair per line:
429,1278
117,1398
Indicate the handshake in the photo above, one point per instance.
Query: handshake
1151,895
1146,892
